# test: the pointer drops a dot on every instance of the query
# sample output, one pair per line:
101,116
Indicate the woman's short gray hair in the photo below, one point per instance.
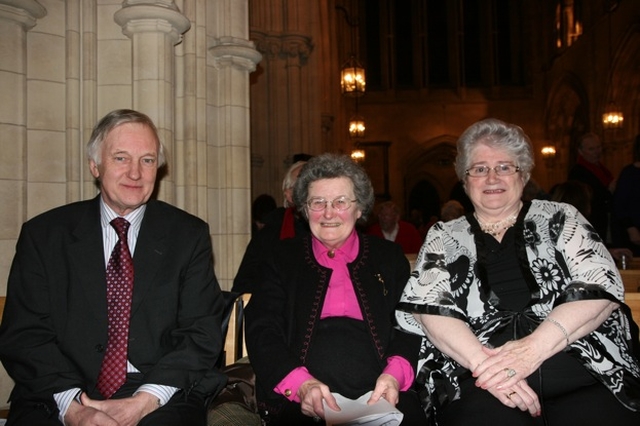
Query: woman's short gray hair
495,134
111,121
330,166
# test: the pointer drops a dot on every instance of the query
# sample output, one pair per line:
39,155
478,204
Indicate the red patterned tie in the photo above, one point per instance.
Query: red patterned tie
119,288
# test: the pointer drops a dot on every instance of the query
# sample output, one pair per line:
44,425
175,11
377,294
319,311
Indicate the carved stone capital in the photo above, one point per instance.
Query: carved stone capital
283,46
24,12
235,52
139,16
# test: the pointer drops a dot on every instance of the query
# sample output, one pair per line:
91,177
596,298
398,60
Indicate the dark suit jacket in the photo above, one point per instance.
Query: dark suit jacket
259,250
54,330
286,306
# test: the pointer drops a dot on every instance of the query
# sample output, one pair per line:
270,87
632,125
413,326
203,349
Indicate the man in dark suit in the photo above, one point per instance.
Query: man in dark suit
56,331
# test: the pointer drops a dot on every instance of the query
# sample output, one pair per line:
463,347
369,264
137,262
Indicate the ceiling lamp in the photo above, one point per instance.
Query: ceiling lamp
548,152
612,118
356,127
549,155
358,155
352,79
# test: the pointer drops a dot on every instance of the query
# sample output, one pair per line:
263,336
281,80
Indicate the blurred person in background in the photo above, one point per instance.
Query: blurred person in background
392,228
626,204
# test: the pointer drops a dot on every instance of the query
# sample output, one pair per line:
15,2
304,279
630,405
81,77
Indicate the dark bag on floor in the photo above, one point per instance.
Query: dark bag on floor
236,403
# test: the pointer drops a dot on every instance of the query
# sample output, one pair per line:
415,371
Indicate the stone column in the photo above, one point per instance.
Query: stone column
81,94
230,60
286,116
16,18
155,27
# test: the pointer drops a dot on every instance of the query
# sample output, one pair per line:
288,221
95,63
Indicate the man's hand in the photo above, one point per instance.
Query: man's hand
125,411
80,415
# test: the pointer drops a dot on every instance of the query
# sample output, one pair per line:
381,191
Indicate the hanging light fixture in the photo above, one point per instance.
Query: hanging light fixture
352,75
612,117
352,78
353,83
356,131
356,127
358,155
548,152
549,155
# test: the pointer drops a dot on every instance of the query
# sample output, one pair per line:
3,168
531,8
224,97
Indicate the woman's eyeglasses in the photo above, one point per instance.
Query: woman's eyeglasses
500,170
318,204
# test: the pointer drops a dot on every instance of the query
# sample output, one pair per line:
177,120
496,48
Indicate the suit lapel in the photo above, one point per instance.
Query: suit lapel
151,249
87,260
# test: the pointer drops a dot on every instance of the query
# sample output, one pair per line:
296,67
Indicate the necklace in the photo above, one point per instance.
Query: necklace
496,228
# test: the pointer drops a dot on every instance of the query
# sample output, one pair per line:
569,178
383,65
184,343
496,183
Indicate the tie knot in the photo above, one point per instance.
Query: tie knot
121,225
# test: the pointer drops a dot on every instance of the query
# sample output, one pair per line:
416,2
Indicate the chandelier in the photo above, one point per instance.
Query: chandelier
352,78
612,117
356,127
357,155
353,83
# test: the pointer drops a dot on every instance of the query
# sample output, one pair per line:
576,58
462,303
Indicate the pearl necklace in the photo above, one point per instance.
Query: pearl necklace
496,228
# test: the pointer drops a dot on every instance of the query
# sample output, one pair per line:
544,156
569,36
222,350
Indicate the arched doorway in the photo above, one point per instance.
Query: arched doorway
425,199
430,176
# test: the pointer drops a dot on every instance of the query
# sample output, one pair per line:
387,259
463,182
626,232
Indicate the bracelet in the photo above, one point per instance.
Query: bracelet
564,330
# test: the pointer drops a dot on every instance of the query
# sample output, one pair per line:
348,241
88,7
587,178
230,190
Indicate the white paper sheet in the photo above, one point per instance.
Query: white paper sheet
357,412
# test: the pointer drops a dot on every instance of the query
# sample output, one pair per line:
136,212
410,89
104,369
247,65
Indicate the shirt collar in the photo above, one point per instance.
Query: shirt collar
134,218
346,253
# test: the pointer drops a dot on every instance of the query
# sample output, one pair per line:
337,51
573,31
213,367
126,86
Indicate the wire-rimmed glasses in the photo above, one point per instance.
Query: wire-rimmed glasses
318,204
500,170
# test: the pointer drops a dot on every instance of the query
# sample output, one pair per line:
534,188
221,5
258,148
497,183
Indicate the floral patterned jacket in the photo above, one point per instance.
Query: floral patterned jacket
562,259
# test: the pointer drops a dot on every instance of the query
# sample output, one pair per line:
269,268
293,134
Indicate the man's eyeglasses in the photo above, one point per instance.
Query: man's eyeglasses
501,170
318,204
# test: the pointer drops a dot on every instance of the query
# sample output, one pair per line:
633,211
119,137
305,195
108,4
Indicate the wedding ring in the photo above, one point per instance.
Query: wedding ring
509,395
510,372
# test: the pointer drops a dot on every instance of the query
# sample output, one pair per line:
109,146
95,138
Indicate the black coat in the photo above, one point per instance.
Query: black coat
289,300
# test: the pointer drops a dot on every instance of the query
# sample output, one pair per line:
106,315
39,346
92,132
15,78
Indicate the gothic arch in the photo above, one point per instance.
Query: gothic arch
626,80
429,175
566,118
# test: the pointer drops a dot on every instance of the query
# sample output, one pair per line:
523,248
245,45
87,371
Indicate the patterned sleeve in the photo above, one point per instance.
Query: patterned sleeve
432,287
588,263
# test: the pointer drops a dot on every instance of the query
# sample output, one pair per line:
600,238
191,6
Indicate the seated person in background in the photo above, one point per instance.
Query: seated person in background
626,204
321,318
520,304
450,210
282,223
113,309
578,194
260,209
390,227
590,170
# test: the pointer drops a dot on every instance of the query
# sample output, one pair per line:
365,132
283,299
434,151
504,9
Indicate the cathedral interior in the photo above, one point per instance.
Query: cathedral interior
237,88
433,68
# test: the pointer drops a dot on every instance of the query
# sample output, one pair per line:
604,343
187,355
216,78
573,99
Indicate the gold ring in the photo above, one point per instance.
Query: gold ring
509,395
510,372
